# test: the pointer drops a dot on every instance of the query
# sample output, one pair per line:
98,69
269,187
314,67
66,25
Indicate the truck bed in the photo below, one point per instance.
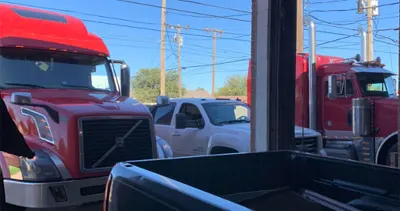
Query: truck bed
272,181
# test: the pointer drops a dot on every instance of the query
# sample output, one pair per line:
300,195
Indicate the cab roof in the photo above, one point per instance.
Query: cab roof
339,68
27,27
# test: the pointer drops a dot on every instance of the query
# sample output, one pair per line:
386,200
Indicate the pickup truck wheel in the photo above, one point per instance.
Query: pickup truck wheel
393,149
3,205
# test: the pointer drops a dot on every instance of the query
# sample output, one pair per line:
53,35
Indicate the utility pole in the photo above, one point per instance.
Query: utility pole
299,27
162,48
214,33
369,31
179,42
372,10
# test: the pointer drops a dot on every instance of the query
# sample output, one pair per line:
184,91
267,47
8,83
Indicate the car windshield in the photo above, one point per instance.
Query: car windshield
376,84
52,70
227,112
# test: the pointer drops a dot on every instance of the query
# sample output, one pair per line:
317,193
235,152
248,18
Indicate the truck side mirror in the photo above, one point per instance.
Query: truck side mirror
162,100
21,98
25,99
125,80
332,87
180,121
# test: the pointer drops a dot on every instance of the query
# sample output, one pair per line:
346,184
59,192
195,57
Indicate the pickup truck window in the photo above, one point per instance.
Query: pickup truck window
227,112
163,114
193,113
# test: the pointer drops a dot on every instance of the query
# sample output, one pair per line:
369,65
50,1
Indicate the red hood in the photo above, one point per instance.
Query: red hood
386,112
87,103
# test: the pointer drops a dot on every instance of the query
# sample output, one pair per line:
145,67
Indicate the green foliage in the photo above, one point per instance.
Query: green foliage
234,86
146,84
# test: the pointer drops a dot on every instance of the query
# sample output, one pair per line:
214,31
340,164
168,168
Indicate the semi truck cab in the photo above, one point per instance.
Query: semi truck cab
352,103
60,88
342,91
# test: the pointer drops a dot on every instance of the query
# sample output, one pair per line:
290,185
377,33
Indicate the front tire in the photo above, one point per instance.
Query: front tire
392,149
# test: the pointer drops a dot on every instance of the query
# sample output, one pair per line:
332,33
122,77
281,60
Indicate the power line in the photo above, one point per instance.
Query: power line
82,13
185,11
218,63
206,72
202,16
157,30
335,40
355,49
352,9
327,2
215,6
111,17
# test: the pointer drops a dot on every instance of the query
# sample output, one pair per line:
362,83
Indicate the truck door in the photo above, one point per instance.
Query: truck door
336,112
190,141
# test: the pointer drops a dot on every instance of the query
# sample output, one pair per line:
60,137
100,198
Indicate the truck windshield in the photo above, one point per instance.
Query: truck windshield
376,84
227,112
54,70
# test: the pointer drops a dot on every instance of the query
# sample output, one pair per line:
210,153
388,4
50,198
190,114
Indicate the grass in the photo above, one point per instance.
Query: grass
13,170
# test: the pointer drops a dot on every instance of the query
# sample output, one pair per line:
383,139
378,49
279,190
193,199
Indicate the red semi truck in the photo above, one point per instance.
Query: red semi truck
353,104
61,90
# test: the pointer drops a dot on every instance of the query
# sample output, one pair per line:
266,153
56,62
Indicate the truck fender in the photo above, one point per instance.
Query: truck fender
226,140
384,146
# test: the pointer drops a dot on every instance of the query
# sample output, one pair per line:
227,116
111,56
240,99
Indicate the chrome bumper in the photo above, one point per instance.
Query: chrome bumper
42,195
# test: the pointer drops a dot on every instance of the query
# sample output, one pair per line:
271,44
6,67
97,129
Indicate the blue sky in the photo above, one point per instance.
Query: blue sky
140,47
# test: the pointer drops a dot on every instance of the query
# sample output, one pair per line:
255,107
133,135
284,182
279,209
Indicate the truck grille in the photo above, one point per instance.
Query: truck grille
310,144
99,136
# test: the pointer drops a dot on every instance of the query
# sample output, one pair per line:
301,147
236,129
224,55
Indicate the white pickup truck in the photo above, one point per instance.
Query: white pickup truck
195,126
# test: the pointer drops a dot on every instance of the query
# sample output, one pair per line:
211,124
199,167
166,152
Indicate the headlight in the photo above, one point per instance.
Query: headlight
165,148
38,169
42,125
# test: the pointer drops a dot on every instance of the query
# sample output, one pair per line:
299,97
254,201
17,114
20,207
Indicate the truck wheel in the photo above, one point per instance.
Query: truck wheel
3,205
392,149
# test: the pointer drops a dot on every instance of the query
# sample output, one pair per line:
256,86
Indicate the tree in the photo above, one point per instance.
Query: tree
146,84
234,86
200,89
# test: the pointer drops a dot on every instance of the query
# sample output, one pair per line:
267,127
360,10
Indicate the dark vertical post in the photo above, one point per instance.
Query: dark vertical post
282,54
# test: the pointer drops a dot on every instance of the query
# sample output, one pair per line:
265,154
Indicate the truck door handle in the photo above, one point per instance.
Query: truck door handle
176,134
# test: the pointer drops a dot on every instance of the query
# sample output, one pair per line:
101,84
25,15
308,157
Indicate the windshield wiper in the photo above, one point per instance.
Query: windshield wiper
77,86
27,85
84,87
234,121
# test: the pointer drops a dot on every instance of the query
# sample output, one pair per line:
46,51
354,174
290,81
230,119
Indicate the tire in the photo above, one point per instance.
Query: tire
391,150
3,205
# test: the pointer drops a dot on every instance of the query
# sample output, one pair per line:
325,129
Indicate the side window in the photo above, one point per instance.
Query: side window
100,78
193,114
343,88
162,115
